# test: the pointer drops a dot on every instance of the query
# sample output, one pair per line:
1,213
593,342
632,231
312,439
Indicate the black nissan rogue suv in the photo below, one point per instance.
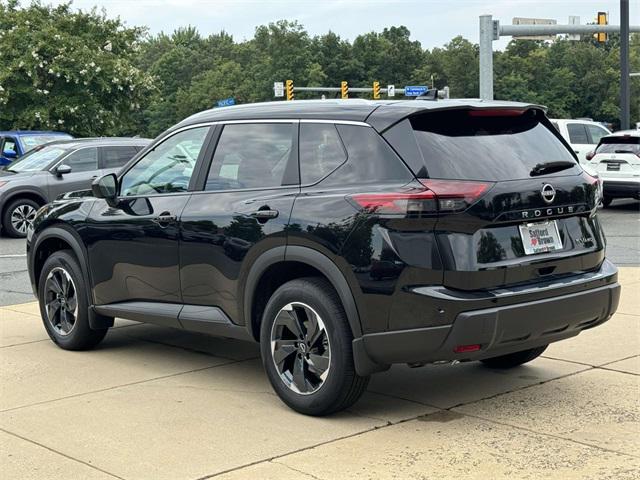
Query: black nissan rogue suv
344,236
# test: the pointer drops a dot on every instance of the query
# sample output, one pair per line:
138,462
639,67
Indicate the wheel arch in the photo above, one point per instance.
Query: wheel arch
295,262
34,195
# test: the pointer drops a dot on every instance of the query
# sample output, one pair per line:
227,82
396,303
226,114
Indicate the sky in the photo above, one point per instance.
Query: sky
432,22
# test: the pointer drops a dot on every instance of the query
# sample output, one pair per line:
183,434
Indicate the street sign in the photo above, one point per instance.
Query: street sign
391,90
574,20
415,91
278,89
226,102
534,21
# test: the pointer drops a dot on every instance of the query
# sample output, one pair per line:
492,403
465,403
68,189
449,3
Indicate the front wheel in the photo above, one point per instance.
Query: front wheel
305,342
17,217
514,359
64,306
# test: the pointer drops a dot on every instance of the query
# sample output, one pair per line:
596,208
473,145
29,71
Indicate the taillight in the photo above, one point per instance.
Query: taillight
597,183
590,155
434,196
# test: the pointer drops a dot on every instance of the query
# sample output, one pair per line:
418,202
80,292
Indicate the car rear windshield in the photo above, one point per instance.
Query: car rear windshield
619,145
490,145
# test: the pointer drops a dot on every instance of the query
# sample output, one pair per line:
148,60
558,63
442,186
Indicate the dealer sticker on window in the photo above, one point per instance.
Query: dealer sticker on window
540,237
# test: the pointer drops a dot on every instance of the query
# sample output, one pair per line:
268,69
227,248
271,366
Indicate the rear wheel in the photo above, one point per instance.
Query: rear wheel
18,215
305,343
606,201
514,359
64,306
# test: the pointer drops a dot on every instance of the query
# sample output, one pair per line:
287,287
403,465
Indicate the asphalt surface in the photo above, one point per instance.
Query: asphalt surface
621,223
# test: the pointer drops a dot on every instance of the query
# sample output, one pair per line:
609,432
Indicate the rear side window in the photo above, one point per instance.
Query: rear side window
596,133
369,159
484,145
577,133
321,151
251,156
83,160
115,157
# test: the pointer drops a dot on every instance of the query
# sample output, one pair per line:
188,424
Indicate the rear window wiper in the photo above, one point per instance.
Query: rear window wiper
550,167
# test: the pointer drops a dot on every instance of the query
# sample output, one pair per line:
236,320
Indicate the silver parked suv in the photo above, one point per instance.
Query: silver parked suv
54,169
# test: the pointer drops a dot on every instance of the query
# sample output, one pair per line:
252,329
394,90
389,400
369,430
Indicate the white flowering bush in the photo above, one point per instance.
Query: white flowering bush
69,70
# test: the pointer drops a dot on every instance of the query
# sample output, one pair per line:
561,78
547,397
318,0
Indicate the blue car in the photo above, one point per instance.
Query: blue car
14,144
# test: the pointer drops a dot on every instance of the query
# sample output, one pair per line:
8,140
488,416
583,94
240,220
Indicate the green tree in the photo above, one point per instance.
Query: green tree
69,70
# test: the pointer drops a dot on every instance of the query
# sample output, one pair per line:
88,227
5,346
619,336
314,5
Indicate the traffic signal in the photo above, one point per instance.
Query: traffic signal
602,20
344,90
376,90
289,88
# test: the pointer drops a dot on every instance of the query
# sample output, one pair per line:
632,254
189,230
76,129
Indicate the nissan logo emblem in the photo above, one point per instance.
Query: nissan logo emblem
548,193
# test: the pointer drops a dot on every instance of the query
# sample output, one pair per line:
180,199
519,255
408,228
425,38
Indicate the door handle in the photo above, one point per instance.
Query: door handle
165,218
265,214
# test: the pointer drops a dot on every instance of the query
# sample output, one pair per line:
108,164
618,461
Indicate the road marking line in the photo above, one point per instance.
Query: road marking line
17,255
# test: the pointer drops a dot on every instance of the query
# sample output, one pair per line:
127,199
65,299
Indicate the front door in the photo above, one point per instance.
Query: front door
133,247
84,170
243,210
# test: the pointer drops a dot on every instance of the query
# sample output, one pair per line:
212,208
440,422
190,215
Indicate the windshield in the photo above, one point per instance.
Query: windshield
489,145
36,160
619,145
32,141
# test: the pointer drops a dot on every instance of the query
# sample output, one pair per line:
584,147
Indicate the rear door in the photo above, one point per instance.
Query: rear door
84,169
531,212
242,209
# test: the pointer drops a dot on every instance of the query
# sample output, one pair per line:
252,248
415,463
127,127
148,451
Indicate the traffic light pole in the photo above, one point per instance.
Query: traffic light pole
625,111
491,30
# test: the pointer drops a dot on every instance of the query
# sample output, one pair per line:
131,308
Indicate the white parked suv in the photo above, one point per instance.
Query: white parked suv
582,135
616,160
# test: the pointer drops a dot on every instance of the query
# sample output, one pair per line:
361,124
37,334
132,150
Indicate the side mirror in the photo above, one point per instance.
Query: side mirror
106,187
9,154
62,169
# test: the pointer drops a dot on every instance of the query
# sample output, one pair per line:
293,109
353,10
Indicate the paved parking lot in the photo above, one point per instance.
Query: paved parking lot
154,403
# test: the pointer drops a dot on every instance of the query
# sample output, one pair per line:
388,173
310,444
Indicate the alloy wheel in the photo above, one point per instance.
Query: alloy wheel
22,216
300,348
61,301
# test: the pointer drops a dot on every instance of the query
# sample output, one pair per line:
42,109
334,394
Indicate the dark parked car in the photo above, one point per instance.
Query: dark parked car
344,236
14,144
56,168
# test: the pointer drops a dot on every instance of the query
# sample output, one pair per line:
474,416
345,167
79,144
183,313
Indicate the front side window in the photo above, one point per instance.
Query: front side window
83,160
577,133
596,133
321,151
10,145
168,167
252,155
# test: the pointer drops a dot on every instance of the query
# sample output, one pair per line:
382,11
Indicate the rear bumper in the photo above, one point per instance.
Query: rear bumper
498,331
626,188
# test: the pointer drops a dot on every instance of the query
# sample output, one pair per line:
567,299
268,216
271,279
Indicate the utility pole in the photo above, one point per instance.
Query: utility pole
486,57
625,114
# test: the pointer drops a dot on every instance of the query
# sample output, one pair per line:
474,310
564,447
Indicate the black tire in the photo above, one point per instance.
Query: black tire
80,336
606,201
514,359
341,386
23,208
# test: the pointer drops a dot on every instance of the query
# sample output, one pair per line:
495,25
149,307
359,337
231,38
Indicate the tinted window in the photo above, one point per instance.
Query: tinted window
619,145
83,160
114,157
577,133
471,145
168,167
370,159
596,133
321,151
251,156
